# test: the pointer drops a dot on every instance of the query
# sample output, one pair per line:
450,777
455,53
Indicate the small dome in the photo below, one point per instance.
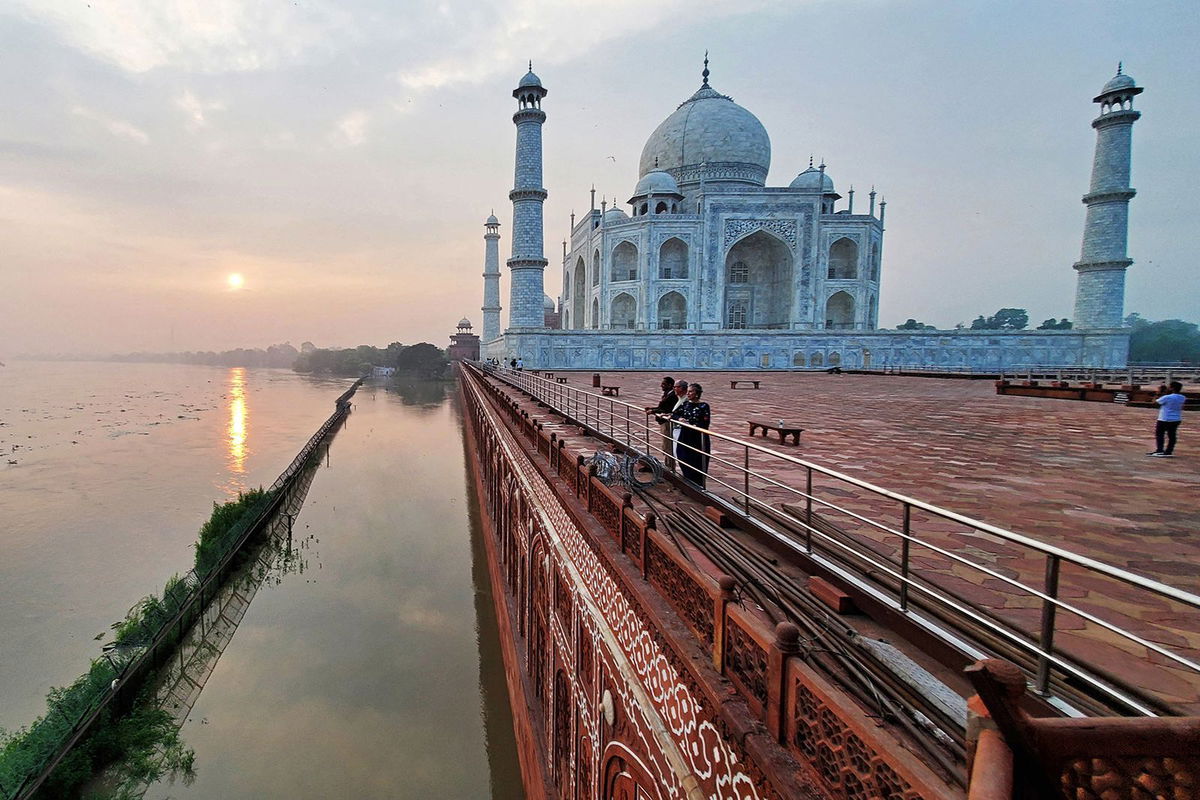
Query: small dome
530,80
464,323
492,220
547,302
658,182
1118,83
615,214
811,179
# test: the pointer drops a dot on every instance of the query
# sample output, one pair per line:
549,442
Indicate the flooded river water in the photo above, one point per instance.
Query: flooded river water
369,668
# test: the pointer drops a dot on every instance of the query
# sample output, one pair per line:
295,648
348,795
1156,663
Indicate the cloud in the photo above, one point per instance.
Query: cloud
209,36
117,127
548,30
196,108
351,130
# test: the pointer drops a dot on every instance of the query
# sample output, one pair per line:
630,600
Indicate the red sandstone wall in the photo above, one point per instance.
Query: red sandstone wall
670,691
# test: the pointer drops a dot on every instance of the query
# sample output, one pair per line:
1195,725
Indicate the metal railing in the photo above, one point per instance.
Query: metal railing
921,560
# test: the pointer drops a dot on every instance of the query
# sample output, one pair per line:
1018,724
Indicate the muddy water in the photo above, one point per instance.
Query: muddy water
372,672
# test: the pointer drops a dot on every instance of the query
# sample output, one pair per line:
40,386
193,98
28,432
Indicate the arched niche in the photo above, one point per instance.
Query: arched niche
579,295
798,360
872,313
672,311
595,314
875,261
624,262
624,312
673,259
764,299
839,311
843,259
596,268
817,360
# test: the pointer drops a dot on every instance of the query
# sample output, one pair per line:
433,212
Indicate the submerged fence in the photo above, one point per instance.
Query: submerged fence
147,641
981,590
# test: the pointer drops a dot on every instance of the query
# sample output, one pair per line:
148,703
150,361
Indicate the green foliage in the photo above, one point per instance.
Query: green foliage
423,359
145,740
1006,319
216,535
1169,340
912,325
1053,324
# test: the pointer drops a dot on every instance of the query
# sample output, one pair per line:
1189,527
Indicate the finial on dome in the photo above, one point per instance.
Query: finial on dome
1119,65
531,65
705,73
656,162
810,160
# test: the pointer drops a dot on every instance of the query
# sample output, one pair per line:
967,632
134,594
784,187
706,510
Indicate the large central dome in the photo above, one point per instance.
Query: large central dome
710,129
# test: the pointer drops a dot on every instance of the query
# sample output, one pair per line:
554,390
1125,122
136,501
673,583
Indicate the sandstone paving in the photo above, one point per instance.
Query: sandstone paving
1068,473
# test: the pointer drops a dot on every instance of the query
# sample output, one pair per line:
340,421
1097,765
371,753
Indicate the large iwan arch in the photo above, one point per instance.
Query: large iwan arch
758,283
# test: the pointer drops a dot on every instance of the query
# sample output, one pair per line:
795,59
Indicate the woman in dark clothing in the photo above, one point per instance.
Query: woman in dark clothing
694,446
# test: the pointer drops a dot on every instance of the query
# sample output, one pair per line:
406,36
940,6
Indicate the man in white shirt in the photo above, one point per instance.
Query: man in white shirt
1170,414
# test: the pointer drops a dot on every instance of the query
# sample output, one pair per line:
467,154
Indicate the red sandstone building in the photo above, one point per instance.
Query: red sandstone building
464,345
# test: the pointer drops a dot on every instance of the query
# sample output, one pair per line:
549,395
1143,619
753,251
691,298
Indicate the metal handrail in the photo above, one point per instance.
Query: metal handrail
628,425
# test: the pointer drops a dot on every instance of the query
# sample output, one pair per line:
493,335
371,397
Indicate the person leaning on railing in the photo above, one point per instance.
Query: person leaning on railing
665,406
693,445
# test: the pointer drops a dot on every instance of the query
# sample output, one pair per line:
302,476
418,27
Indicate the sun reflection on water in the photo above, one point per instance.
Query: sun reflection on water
237,420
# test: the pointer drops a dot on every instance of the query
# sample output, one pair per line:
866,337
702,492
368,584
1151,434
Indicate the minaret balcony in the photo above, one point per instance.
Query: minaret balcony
1109,196
528,194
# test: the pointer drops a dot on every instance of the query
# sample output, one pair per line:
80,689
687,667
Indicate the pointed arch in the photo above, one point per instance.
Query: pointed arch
839,311
875,261
579,296
673,259
623,314
595,313
624,262
672,311
596,268
798,359
758,282
843,259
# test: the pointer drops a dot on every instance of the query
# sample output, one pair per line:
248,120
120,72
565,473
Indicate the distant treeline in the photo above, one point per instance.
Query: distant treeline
277,355
421,359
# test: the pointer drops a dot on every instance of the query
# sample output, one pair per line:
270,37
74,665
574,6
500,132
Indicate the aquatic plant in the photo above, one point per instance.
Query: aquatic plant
218,534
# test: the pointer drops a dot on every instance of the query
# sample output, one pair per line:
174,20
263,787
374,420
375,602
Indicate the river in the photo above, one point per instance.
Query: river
374,672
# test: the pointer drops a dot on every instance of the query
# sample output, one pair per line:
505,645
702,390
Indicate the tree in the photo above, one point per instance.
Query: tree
912,325
1006,319
1055,325
423,359
1166,341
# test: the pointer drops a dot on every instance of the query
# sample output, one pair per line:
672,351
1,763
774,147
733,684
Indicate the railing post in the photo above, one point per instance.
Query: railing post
727,585
1049,607
904,551
787,642
808,513
746,473
651,522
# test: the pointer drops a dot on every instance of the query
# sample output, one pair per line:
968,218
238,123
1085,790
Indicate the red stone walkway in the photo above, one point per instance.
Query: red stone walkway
1068,473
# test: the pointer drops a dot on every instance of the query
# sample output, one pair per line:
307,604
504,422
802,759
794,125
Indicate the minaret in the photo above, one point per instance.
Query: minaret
491,279
1100,291
528,261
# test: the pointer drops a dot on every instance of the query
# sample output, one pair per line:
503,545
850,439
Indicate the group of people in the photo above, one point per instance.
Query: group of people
687,445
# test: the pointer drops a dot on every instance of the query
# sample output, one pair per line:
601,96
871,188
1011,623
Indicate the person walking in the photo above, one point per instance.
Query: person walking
693,442
665,406
1170,414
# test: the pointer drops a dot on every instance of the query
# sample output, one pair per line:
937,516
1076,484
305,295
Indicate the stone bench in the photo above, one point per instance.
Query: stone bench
783,429
737,384
610,391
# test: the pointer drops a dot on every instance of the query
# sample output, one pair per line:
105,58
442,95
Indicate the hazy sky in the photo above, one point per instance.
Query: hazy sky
342,155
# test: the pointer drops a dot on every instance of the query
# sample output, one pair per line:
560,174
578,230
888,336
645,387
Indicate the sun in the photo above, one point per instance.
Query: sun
235,281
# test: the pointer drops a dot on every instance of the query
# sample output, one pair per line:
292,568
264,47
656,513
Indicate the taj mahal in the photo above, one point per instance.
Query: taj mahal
711,268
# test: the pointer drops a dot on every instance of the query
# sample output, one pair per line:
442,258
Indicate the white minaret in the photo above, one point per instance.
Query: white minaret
528,259
491,279
1100,291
